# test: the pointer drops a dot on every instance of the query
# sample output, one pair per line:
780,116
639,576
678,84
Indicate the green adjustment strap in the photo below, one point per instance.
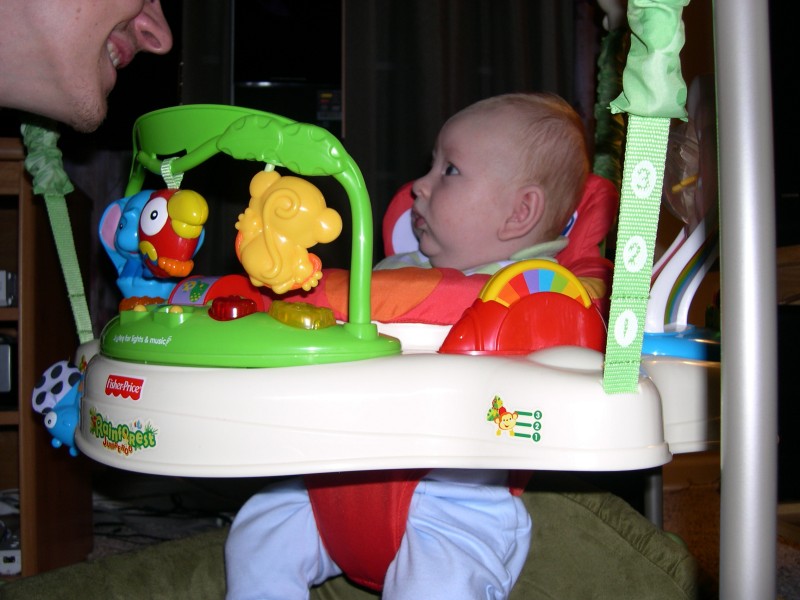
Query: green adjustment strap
44,164
653,93
640,199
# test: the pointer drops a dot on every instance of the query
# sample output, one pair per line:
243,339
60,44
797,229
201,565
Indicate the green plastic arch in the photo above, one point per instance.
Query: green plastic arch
192,134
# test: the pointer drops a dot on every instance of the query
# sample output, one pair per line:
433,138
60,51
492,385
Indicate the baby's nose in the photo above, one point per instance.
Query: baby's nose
419,189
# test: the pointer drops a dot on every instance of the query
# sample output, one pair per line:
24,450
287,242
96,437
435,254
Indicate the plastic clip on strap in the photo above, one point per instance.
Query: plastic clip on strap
173,181
49,179
653,93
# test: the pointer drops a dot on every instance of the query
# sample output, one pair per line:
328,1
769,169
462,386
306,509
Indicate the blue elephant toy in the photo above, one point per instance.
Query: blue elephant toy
119,235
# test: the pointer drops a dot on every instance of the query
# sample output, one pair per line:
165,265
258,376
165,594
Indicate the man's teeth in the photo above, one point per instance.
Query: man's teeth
112,53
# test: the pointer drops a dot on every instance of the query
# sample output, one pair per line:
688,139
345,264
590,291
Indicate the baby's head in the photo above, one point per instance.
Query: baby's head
507,174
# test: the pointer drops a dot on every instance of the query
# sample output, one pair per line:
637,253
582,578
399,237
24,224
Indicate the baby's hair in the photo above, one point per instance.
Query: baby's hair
555,156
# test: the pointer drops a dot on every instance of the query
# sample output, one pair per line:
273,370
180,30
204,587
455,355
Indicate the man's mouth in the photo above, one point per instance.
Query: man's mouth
117,54
113,55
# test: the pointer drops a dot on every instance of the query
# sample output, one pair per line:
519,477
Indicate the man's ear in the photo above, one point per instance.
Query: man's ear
526,213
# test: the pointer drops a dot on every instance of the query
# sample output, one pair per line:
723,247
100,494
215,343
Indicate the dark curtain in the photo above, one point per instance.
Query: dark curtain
410,64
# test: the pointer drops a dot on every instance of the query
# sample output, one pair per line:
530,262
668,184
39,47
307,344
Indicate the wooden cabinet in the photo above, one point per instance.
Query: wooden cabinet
55,517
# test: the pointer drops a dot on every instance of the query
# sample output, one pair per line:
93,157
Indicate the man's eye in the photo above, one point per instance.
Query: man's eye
451,170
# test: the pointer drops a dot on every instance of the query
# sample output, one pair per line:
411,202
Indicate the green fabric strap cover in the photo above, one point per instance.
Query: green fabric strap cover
653,93
652,83
44,164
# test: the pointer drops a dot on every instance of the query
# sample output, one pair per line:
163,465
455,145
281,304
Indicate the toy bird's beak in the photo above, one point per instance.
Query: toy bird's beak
189,212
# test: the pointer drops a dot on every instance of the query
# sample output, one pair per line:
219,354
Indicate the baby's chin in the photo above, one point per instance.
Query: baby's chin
442,259
443,262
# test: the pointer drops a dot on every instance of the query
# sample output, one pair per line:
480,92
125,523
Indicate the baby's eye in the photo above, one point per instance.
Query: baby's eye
451,169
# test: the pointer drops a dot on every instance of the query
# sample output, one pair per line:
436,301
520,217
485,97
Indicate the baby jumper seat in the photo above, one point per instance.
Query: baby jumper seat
172,388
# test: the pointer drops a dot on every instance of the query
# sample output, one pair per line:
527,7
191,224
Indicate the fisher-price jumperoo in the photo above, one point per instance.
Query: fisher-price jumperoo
314,385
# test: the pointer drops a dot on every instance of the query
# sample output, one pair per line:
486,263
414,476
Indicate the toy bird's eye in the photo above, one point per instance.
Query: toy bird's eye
154,215
50,420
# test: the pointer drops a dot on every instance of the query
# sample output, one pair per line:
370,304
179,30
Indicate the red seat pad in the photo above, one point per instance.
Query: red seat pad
361,517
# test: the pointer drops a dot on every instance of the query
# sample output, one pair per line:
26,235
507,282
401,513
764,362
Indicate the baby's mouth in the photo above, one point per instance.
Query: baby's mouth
417,220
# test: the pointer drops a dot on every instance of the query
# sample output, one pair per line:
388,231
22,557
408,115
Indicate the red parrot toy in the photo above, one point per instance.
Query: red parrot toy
170,229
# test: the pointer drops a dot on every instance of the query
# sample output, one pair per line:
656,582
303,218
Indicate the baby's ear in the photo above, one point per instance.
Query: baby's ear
525,213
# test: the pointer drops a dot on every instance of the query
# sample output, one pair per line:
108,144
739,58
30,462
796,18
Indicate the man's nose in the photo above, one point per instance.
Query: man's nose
152,30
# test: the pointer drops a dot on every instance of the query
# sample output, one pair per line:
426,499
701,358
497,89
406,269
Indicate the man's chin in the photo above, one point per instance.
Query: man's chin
85,127
87,120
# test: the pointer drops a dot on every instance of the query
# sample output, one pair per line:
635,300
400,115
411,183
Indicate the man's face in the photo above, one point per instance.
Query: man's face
84,42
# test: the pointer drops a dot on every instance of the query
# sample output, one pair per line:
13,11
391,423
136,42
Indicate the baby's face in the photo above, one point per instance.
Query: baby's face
462,202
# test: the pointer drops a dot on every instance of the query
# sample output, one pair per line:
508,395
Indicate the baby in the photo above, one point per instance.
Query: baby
507,174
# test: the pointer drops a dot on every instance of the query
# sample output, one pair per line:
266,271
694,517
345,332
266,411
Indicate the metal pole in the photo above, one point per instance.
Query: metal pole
654,496
749,304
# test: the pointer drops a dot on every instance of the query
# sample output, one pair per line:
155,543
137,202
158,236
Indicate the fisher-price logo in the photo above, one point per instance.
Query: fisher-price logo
127,387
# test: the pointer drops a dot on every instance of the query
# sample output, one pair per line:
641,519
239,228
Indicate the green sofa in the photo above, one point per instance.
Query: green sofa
586,544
